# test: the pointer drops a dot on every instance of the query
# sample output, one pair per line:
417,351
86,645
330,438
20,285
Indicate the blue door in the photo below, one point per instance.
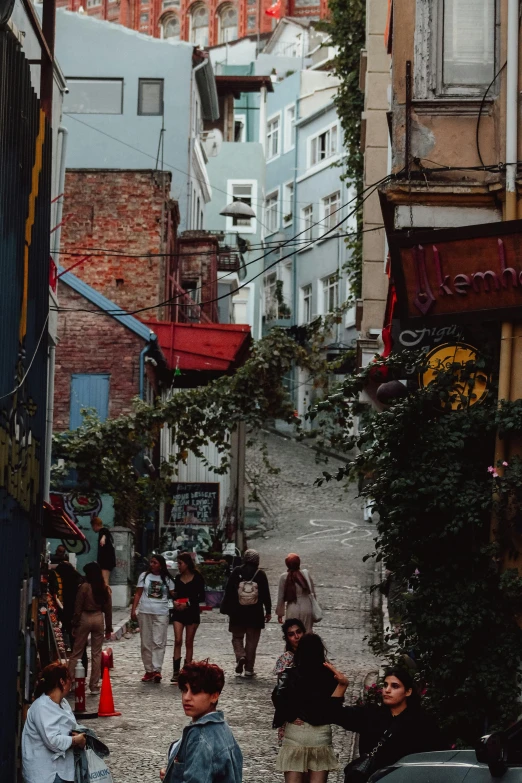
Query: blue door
88,391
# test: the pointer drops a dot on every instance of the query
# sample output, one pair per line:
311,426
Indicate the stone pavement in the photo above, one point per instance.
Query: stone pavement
325,526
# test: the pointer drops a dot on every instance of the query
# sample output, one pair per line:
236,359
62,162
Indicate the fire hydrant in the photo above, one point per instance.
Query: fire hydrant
79,690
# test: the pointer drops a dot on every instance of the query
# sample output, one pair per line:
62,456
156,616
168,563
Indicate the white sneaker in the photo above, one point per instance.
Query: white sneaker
249,674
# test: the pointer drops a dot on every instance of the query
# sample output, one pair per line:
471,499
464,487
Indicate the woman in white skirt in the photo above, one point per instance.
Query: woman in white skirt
303,705
295,588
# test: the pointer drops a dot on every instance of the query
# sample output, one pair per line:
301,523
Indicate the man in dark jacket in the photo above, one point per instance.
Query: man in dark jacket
247,620
106,555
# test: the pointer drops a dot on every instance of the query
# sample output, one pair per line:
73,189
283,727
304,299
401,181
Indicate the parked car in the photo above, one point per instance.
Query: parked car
498,757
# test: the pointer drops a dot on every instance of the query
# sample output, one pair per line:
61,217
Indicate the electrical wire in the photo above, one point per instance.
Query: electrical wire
372,188
10,394
483,101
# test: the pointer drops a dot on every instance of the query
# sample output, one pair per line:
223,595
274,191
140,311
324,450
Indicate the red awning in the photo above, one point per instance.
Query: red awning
208,347
58,524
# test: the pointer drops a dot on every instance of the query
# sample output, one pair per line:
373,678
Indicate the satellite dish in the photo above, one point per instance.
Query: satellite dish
212,141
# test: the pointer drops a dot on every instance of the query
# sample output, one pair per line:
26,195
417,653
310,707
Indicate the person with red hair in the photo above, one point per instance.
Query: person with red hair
295,590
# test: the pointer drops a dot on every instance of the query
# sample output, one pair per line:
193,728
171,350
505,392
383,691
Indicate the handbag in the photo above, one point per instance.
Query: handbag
360,769
317,612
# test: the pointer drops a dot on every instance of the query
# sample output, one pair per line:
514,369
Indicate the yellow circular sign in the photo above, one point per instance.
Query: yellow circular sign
467,389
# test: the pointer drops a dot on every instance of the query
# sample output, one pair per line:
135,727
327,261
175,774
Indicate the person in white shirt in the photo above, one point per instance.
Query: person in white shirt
49,733
151,602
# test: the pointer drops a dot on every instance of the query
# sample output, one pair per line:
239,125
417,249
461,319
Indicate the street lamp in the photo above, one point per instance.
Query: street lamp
238,209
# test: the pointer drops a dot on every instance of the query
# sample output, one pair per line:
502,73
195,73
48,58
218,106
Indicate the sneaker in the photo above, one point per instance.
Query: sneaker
148,677
95,691
249,674
240,665
157,677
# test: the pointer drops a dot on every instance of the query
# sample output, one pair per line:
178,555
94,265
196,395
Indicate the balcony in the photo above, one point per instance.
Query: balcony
228,261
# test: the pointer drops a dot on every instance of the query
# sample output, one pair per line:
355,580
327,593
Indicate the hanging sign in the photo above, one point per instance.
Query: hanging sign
468,388
461,275
194,503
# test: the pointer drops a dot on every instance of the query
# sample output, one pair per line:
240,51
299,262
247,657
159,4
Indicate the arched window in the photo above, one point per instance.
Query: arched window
199,25
227,23
170,27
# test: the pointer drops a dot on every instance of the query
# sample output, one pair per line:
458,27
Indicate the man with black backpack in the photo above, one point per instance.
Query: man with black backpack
248,605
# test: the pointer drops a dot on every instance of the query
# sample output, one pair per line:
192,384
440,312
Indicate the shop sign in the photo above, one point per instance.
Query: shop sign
461,275
468,389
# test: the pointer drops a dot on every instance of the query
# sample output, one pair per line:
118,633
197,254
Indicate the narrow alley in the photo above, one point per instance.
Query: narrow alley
326,528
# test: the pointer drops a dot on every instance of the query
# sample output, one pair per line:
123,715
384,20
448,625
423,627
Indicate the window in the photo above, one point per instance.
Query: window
88,391
242,190
468,43
330,208
272,212
290,127
170,27
288,203
323,146
199,25
272,137
169,3
240,127
270,308
93,3
144,18
150,97
330,293
93,96
227,23
307,220
306,304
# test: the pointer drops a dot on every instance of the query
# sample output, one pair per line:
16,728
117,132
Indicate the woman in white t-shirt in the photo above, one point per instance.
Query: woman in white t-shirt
152,599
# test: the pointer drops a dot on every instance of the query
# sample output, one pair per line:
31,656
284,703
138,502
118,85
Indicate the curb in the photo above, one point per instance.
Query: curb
120,630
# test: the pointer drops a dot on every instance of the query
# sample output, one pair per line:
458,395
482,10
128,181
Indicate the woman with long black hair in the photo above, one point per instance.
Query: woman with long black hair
154,589
387,732
303,701
189,593
93,603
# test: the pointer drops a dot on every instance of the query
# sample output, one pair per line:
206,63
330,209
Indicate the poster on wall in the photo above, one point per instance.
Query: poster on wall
194,504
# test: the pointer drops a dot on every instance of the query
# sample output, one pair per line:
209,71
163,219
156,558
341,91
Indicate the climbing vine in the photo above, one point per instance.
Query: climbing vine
347,28
428,472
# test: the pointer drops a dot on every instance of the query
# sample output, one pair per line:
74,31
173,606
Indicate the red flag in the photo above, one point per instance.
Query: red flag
275,9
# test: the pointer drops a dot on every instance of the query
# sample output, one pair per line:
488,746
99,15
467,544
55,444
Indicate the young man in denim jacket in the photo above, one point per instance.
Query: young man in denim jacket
207,751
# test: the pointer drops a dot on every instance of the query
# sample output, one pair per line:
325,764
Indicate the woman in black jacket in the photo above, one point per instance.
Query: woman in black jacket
303,702
389,731
247,620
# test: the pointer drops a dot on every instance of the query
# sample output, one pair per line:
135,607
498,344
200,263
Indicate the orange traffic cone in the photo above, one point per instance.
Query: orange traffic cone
106,706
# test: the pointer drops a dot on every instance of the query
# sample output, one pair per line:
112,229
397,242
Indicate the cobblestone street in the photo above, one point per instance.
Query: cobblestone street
325,526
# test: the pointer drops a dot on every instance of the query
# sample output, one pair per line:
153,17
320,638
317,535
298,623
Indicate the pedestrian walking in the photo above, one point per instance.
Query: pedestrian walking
49,734
106,555
155,586
248,605
207,751
296,593
293,632
388,732
64,583
189,593
303,701
93,603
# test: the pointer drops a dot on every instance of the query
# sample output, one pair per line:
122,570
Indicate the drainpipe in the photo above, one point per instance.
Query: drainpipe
51,360
190,141
262,119
297,227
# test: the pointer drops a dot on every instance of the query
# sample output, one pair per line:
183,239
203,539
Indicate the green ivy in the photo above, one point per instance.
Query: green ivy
347,28
425,469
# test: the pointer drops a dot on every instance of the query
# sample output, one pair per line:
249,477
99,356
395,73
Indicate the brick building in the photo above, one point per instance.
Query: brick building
202,22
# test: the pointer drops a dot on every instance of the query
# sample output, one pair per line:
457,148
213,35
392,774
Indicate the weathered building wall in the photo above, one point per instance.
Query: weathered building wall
128,216
197,263
93,343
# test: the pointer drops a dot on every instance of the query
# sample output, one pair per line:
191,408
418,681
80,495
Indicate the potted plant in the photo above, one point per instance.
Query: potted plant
215,576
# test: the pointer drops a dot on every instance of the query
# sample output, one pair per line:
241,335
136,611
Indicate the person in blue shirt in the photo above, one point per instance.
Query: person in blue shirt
207,751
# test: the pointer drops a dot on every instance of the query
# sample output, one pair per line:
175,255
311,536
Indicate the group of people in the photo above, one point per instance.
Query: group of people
308,695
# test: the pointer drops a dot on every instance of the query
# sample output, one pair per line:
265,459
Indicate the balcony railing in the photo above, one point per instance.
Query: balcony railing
228,262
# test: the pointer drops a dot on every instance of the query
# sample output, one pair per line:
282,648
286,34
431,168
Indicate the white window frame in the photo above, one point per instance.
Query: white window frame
307,231
269,209
270,302
324,227
289,129
429,56
306,292
328,282
288,203
252,228
331,154
270,156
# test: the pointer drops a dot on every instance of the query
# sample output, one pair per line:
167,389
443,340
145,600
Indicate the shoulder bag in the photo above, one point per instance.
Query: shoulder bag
359,770
317,612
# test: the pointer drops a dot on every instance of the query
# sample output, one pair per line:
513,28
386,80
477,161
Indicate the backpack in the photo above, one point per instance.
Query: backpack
248,591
